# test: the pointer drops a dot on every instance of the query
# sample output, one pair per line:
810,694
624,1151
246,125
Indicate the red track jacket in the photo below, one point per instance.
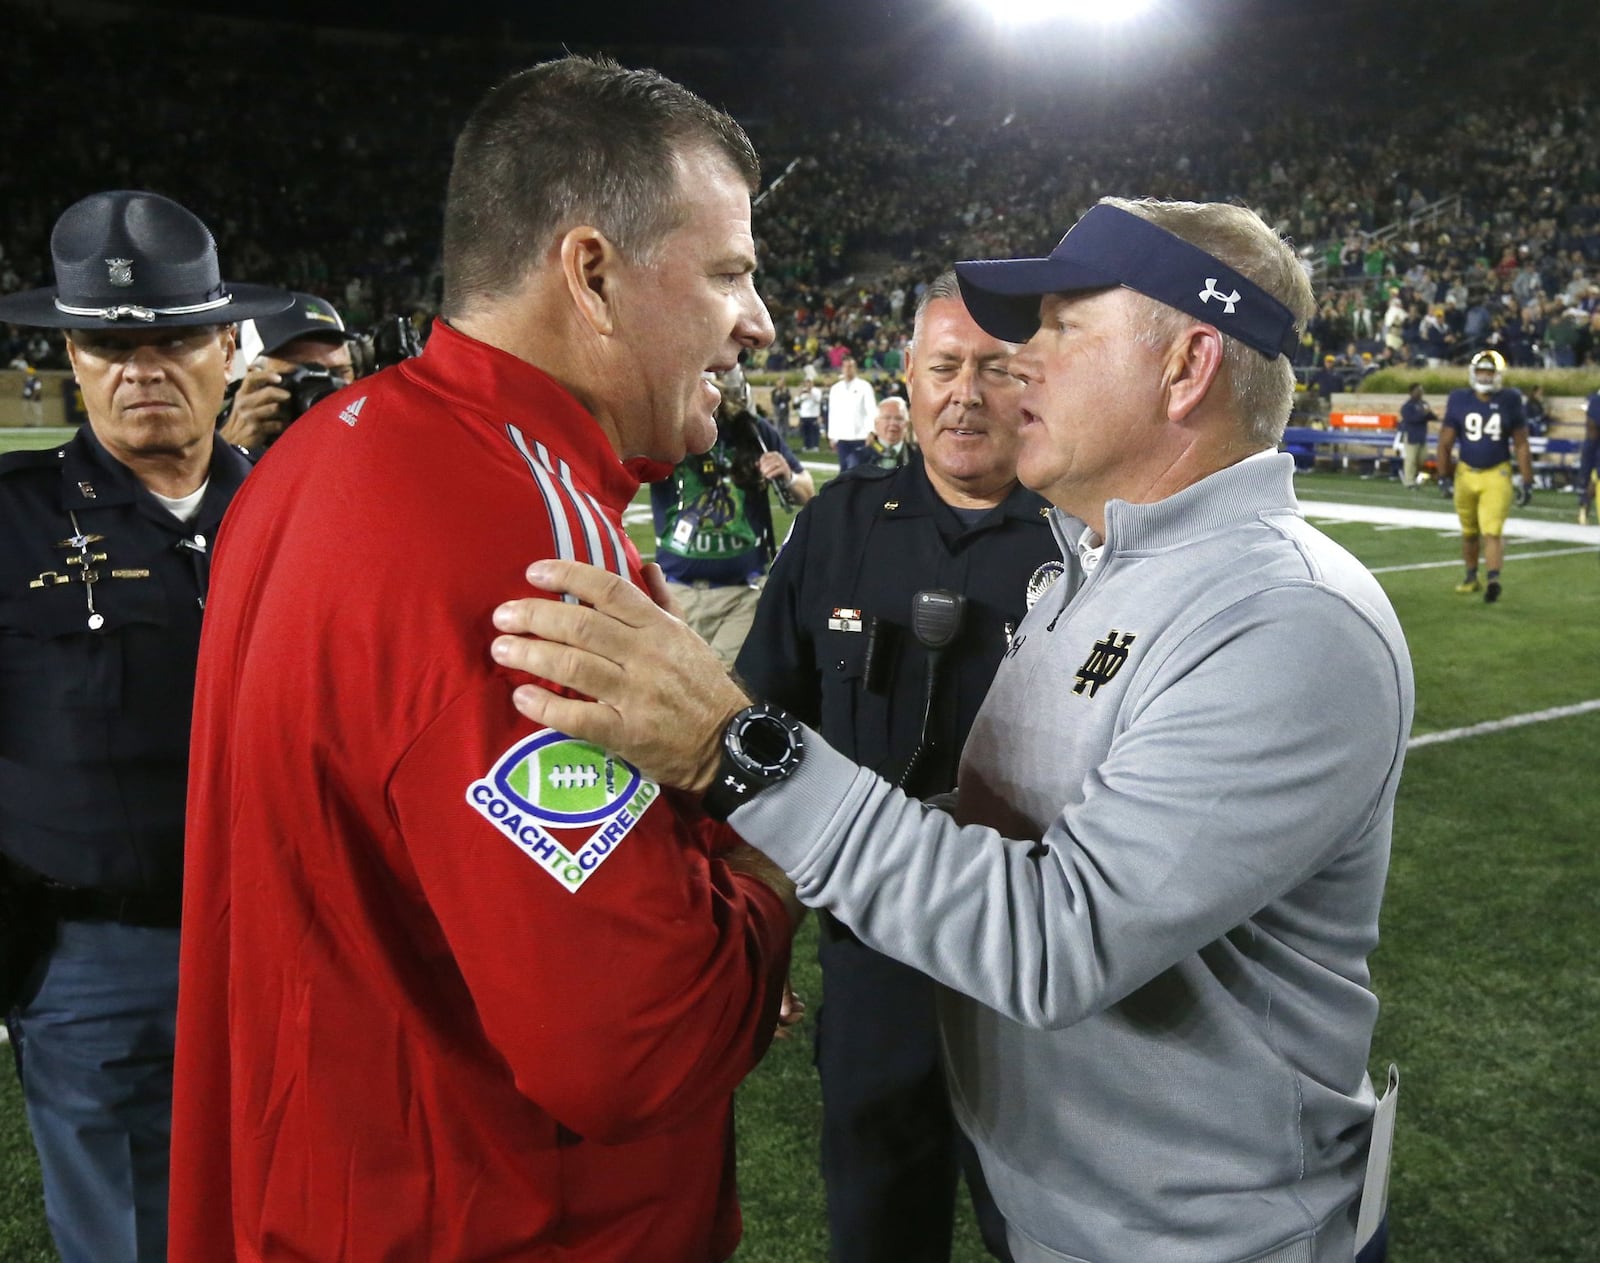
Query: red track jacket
453,989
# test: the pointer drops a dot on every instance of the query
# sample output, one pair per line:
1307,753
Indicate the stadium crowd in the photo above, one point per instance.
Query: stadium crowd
1485,232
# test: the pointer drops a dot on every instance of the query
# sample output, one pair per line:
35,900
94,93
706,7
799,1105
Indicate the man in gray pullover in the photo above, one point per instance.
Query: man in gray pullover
1153,894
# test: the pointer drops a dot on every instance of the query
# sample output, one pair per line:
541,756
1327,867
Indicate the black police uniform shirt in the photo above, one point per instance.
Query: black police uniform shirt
833,643
101,592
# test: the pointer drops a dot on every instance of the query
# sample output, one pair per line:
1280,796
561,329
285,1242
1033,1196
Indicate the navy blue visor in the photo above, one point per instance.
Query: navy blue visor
1110,246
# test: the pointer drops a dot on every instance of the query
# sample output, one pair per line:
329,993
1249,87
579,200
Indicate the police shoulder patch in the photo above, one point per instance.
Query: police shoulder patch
1042,580
566,804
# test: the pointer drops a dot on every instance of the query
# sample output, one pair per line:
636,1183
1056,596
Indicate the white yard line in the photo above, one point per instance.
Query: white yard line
1445,522
1391,519
1500,725
1331,512
1455,563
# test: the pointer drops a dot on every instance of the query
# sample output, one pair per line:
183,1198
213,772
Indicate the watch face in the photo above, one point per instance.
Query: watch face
760,747
765,742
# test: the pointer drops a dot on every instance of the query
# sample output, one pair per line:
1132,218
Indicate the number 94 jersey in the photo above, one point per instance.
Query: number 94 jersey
1483,426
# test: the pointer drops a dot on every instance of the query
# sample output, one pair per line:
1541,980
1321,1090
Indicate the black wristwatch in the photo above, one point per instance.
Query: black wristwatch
761,746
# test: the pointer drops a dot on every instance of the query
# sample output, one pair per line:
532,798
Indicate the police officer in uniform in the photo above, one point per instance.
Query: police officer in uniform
883,621
104,551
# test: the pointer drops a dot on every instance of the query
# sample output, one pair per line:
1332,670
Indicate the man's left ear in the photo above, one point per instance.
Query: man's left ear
1192,369
230,347
589,266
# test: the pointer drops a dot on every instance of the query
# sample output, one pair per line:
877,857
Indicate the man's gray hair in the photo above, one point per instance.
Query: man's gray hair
944,285
579,140
1262,390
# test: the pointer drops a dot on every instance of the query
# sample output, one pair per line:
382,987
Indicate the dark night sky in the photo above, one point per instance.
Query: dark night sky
777,22
925,36
689,22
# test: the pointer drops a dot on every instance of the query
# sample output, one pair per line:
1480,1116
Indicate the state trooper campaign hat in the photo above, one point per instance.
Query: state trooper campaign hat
128,260
307,317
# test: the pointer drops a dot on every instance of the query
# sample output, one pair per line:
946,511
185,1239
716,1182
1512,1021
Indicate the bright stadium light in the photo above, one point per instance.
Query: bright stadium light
1027,12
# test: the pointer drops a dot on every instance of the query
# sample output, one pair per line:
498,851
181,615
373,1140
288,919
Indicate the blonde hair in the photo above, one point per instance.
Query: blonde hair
1261,389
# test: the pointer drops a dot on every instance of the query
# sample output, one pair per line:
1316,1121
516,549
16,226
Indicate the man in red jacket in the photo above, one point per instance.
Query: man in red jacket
455,988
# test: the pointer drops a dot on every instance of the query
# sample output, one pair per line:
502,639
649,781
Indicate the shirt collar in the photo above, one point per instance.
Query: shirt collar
1243,492
919,497
504,390
92,478
1090,546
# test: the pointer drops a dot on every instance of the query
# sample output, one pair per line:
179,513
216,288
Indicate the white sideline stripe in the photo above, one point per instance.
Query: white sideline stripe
1319,511
1500,725
1456,562
1445,523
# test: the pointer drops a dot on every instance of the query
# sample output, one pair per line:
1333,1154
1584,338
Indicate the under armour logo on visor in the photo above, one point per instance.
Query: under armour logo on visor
1211,291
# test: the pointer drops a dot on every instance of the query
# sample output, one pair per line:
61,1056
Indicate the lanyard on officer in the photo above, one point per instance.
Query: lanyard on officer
87,575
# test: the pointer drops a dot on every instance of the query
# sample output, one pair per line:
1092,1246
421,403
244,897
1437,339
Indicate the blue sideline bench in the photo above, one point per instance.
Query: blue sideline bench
1551,456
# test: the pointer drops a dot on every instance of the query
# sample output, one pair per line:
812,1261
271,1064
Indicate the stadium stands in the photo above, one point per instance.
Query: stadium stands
1476,197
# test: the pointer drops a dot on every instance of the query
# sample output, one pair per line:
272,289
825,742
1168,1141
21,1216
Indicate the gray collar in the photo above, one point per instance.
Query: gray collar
1230,497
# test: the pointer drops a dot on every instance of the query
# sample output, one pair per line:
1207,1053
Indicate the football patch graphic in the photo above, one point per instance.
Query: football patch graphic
565,803
564,780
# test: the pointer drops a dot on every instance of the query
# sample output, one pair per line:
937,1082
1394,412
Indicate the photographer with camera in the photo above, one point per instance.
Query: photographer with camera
714,534
305,356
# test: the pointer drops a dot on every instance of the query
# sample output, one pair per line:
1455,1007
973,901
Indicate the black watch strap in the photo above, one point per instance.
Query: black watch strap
761,746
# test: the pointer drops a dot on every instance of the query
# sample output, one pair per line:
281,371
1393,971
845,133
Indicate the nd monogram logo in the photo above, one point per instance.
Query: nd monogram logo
1211,291
1104,661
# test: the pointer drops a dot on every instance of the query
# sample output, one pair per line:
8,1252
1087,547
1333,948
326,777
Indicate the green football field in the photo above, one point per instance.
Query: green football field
13,439
1487,970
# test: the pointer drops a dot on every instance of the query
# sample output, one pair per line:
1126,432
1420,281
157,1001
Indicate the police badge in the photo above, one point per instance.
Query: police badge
120,272
1042,580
